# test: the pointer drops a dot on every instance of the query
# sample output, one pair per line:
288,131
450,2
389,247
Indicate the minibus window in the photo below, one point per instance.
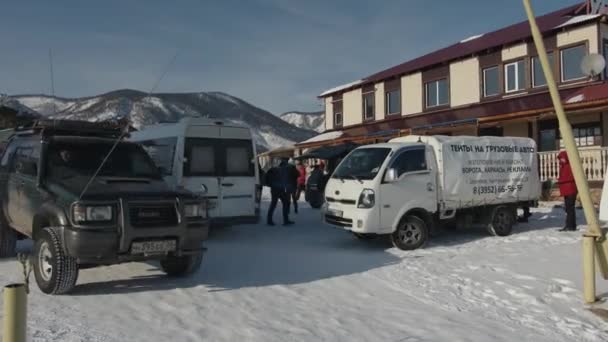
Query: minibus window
238,160
202,160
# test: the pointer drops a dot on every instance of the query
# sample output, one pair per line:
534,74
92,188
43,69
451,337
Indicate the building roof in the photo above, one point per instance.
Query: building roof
470,46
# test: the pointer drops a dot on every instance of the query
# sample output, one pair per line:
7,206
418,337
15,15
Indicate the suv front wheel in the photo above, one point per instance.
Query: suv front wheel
181,266
55,272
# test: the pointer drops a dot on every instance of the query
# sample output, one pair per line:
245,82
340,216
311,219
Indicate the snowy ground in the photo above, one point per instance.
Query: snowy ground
313,283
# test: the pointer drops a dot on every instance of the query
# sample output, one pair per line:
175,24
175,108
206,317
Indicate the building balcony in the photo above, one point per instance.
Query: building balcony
594,160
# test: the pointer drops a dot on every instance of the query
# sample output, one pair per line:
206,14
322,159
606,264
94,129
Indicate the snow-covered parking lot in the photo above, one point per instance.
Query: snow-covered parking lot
309,282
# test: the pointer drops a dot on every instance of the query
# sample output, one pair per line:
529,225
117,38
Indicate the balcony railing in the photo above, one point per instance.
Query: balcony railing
595,163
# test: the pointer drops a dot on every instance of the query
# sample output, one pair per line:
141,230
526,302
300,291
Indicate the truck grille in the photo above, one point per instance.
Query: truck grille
153,215
343,201
338,221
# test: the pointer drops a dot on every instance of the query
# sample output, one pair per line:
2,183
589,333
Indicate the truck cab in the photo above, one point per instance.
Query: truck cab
88,198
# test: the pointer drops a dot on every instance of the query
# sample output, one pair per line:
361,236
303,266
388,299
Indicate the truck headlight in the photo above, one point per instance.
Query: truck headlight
92,213
367,199
195,210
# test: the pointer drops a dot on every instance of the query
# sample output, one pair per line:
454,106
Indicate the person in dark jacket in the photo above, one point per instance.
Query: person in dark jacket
567,188
278,179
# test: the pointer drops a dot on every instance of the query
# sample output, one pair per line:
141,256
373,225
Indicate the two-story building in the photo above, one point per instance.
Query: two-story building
489,84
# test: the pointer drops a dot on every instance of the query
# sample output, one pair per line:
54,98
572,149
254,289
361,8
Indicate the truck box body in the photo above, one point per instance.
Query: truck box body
474,171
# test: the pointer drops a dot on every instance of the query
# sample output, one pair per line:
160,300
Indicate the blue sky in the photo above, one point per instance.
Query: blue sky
276,54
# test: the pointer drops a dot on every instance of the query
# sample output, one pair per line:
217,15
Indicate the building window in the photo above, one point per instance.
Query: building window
571,60
515,76
393,102
369,105
589,134
338,118
491,86
437,93
538,76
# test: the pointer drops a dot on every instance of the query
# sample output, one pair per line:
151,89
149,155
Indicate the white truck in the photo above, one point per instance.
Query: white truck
411,186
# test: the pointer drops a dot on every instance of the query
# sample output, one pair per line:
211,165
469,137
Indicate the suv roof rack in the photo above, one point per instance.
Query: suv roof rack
105,129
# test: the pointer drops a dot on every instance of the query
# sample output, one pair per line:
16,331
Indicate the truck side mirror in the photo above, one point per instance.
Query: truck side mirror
391,175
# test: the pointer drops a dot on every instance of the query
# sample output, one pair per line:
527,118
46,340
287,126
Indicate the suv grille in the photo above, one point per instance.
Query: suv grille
153,215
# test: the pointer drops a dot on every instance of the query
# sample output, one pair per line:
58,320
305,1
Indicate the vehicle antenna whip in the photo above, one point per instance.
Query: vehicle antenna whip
125,129
52,81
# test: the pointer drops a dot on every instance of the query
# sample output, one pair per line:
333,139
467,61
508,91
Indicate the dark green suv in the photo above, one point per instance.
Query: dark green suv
88,198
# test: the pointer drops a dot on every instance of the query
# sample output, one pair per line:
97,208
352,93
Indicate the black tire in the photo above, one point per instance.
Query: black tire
8,241
502,219
181,266
412,233
362,236
55,272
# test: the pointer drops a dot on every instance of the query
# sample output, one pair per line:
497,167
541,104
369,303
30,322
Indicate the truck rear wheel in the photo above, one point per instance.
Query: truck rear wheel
181,266
412,233
502,219
8,240
55,272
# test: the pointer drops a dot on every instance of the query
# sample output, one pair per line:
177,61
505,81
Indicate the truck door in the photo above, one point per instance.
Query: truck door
22,183
202,166
238,181
414,186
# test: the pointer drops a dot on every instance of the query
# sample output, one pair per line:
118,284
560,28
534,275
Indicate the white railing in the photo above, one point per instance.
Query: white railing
595,163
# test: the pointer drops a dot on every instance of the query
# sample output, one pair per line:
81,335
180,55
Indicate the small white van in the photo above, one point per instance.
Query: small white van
212,158
410,186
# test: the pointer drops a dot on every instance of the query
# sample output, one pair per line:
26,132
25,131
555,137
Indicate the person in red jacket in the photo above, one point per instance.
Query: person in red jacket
301,180
567,188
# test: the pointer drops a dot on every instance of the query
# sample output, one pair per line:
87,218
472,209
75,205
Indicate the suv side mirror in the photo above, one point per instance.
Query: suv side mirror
391,175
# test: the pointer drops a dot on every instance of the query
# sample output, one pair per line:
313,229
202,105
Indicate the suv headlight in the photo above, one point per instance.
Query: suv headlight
92,213
195,210
367,199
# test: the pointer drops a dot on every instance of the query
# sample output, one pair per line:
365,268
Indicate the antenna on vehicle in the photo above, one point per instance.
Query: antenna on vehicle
126,127
52,81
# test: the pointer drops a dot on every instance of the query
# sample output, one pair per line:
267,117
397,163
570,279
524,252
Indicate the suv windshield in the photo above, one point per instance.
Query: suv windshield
70,159
364,163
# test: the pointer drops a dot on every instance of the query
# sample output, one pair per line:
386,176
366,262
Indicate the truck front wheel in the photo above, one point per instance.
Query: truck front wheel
412,233
181,266
8,240
502,219
55,272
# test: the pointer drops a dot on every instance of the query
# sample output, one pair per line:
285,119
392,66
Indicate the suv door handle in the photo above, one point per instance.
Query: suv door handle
227,184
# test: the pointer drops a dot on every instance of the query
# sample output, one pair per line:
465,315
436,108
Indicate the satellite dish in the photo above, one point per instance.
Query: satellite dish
593,64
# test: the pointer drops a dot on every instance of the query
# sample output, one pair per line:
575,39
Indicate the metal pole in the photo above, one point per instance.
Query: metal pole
15,313
593,227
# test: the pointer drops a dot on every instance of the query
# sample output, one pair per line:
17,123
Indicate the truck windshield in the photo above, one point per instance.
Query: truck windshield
69,159
364,163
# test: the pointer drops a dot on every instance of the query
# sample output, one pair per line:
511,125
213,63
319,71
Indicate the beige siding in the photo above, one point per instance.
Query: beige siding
380,101
411,94
352,103
515,51
579,35
464,82
516,129
329,113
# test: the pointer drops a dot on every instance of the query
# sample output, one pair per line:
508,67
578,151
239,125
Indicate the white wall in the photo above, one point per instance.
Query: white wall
380,101
515,51
329,113
464,82
411,94
352,107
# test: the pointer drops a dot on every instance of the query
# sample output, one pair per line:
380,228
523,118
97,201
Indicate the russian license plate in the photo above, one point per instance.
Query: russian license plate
154,247
335,212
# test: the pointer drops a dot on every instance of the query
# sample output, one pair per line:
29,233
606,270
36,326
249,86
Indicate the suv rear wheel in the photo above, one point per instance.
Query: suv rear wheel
55,272
8,240
181,266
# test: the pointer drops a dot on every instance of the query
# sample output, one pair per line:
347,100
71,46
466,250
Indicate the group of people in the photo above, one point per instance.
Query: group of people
287,181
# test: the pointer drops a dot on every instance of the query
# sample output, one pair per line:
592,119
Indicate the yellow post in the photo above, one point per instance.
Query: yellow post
15,313
593,227
589,269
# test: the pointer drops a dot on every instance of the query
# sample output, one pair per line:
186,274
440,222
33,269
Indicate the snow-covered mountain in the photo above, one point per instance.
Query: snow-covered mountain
269,131
314,121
